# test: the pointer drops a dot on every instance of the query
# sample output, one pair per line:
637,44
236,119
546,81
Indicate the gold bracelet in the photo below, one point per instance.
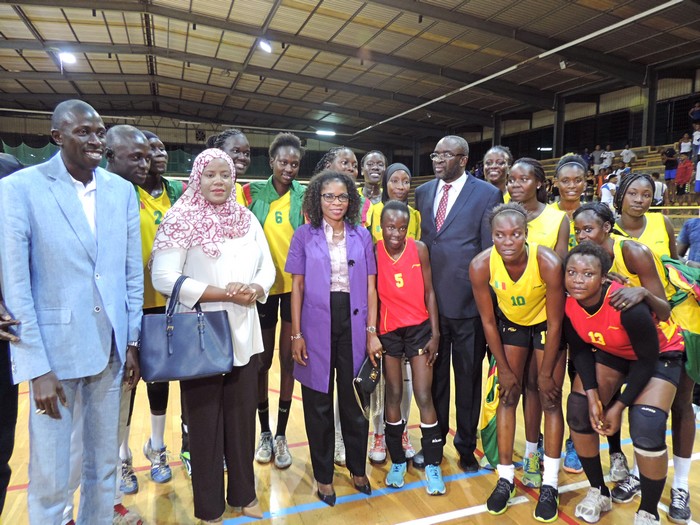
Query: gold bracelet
296,336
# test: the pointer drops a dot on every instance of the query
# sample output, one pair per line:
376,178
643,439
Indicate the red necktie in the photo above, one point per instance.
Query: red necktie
442,207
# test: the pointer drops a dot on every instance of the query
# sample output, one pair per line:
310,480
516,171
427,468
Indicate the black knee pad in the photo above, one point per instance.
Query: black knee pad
648,428
577,414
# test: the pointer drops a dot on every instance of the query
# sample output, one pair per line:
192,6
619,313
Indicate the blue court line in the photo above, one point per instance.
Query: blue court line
318,505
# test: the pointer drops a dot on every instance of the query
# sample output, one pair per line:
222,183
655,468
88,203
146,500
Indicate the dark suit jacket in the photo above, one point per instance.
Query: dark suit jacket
465,233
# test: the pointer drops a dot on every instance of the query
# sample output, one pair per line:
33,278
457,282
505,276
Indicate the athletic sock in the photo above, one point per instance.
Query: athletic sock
283,417
681,470
651,494
530,448
124,452
264,415
614,444
157,431
551,471
506,472
594,473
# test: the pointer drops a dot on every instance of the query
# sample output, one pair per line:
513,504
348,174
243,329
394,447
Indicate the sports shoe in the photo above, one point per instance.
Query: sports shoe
377,454
547,509
283,459
186,462
408,449
644,518
592,505
532,477
394,477
679,509
128,483
124,516
624,492
618,467
434,485
160,470
339,453
572,464
263,454
498,500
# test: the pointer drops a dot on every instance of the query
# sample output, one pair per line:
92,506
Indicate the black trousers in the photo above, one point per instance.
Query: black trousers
462,341
8,419
318,406
221,411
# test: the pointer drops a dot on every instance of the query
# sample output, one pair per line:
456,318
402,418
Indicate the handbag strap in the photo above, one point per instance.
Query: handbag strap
175,295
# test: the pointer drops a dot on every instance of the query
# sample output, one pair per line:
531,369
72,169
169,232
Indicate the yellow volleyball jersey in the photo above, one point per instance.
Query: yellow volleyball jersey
572,233
151,214
544,229
279,232
240,196
654,236
506,197
374,216
521,301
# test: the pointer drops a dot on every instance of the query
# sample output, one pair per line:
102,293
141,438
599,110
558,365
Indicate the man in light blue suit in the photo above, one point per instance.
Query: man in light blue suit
70,258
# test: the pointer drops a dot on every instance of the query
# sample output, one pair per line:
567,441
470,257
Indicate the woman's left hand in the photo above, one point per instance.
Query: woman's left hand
549,391
612,420
374,348
243,294
624,298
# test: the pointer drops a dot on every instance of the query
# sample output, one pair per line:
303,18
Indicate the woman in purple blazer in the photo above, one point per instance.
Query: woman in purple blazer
334,315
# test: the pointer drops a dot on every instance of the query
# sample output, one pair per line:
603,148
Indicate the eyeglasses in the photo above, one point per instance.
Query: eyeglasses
499,163
445,156
332,197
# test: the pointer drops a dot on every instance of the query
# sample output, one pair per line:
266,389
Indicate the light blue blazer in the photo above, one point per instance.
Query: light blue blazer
71,289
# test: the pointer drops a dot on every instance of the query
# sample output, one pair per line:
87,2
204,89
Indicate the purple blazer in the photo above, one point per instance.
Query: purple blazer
309,256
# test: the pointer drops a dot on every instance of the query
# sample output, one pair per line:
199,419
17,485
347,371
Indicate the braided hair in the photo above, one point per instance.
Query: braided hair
624,185
328,159
536,168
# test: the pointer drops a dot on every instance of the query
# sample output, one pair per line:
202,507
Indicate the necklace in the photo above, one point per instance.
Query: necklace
338,234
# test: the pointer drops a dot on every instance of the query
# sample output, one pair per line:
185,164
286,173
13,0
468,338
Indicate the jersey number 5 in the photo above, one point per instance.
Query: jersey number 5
398,277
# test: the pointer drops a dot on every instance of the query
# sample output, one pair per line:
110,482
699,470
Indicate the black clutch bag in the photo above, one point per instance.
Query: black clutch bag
365,383
188,345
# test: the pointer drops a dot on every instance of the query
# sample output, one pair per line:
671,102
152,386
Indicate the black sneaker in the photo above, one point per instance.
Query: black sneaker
547,509
498,500
679,509
626,491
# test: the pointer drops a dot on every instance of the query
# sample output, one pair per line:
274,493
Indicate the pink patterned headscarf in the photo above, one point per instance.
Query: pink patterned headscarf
194,221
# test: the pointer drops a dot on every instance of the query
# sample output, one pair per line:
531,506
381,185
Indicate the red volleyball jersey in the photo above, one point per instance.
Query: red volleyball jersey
604,330
400,287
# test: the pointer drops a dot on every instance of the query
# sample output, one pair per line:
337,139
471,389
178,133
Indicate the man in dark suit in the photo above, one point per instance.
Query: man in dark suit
455,210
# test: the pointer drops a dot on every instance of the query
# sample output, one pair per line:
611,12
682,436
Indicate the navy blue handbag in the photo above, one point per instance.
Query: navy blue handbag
188,345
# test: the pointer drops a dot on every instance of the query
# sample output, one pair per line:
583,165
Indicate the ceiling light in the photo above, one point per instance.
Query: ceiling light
325,133
265,46
67,58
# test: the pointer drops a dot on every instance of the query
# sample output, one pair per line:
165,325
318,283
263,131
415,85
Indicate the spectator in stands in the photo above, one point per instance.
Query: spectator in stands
607,190
668,157
660,191
694,113
607,157
586,156
696,142
627,156
596,157
684,175
689,239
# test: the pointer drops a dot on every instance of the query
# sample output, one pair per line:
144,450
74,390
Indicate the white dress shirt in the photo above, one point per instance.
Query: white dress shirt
456,187
86,194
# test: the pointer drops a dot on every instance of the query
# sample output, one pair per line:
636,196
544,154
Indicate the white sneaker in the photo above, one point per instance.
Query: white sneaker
263,454
283,459
339,455
619,470
377,453
644,518
592,505
408,449
696,411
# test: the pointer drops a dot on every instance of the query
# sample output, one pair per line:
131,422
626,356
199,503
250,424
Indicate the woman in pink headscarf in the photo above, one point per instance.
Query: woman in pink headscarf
221,247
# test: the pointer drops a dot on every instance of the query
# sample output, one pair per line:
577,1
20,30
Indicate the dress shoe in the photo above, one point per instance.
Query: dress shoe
365,488
468,463
328,499
418,460
253,510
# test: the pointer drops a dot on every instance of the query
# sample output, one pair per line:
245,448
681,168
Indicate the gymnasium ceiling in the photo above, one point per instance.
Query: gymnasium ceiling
345,65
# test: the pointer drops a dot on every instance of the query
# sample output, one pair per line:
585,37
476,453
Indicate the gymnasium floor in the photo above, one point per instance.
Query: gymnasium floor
288,497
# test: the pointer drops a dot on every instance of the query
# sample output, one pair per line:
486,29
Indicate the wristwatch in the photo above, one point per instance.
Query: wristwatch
372,329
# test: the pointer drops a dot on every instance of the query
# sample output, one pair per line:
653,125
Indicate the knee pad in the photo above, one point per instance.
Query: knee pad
648,430
577,414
